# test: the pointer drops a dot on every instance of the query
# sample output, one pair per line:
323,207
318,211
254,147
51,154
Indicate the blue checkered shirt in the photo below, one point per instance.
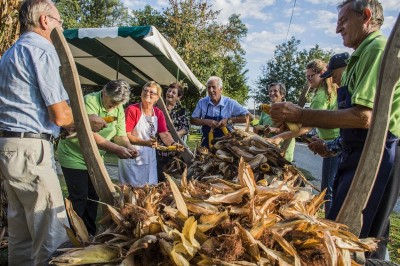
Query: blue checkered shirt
29,83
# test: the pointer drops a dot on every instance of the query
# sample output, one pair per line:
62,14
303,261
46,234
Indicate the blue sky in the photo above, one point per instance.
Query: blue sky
313,22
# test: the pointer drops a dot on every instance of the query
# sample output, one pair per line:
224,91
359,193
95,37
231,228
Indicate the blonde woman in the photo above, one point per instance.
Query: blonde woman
325,98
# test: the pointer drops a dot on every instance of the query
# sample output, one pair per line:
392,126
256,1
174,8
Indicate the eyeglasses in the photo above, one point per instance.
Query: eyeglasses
309,77
60,21
152,93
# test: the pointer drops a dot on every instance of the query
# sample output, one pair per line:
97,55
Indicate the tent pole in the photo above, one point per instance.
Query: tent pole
117,68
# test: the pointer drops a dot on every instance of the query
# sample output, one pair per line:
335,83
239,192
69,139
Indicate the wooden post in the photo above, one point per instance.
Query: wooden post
187,155
94,163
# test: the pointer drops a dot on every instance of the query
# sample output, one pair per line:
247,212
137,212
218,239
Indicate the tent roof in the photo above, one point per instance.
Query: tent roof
135,54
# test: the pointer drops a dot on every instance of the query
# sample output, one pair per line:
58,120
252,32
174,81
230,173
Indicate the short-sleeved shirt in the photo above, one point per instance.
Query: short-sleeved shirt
226,108
133,113
361,76
30,82
69,150
322,101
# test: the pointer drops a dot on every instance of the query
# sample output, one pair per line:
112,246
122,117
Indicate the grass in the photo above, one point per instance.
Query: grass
394,238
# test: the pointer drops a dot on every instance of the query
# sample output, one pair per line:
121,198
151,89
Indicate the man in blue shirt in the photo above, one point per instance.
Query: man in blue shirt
216,111
33,106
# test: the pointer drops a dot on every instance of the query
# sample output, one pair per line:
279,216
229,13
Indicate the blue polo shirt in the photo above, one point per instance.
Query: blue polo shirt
30,82
226,108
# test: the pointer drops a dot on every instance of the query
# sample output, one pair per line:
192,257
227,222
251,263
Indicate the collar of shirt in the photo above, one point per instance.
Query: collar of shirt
365,42
35,39
222,101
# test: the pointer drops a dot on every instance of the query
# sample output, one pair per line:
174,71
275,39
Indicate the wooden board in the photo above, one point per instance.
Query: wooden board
364,178
69,76
187,155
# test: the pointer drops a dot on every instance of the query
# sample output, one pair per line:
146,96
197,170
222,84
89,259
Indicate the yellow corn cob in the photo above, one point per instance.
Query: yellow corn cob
210,138
109,119
225,131
169,148
265,167
292,126
265,108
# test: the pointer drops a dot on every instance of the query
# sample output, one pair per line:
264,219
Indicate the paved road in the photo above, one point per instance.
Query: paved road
305,159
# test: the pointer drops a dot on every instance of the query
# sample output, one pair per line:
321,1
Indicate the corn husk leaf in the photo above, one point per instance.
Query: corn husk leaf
179,201
77,223
89,255
142,243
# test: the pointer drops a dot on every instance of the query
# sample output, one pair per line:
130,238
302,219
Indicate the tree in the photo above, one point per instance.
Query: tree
92,13
287,66
206,45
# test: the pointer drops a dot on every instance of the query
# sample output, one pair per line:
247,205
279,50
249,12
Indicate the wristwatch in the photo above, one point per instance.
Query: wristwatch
230,122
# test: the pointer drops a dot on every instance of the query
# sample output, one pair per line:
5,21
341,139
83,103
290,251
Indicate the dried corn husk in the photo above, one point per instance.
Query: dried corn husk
247,223
9,23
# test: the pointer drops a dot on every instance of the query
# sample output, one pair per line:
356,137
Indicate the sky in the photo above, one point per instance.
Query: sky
267,21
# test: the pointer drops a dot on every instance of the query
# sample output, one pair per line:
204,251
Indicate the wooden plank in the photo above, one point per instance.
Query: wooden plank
69,76
187,155
364,178
302,98
302,101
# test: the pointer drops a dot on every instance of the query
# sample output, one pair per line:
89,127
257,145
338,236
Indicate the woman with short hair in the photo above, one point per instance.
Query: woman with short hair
105,103
180,118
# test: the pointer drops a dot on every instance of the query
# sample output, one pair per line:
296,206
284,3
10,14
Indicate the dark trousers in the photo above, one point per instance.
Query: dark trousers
390,196
80,190
161,163
383,195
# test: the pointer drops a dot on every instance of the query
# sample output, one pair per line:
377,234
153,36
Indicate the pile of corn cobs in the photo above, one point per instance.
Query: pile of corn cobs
215,222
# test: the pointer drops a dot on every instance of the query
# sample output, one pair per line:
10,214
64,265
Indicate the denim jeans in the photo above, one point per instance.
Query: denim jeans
329,169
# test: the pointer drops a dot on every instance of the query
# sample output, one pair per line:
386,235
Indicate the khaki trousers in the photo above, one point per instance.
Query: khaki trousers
36,211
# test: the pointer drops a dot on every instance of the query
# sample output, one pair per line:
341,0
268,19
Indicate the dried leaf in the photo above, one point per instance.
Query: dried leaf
179,201
76,222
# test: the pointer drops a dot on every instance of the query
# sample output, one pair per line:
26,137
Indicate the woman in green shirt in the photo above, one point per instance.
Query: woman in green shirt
105,103
324,98
277,93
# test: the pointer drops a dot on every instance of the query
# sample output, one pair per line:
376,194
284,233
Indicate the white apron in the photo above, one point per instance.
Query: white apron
142,169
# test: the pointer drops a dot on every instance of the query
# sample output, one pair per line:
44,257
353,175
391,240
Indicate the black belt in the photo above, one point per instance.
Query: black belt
10,134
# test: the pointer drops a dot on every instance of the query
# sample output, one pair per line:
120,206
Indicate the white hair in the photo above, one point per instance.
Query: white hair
218,79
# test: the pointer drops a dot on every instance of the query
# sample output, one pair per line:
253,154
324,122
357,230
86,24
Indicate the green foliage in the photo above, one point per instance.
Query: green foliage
207,46
92,13
287,66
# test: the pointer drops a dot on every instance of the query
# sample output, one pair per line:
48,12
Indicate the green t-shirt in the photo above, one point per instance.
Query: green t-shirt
265,120
69,151
361,76
322,101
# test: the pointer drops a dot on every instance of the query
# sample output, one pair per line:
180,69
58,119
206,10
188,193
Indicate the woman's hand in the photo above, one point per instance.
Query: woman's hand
152,143
126,153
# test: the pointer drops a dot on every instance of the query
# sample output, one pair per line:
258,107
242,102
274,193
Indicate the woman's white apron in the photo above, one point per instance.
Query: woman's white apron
142,169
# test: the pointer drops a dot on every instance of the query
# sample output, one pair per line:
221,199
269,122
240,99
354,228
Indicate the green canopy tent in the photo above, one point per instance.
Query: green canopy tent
135,54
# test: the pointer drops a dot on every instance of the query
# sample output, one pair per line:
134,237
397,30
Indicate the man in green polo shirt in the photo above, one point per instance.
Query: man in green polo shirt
359,24
106,103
